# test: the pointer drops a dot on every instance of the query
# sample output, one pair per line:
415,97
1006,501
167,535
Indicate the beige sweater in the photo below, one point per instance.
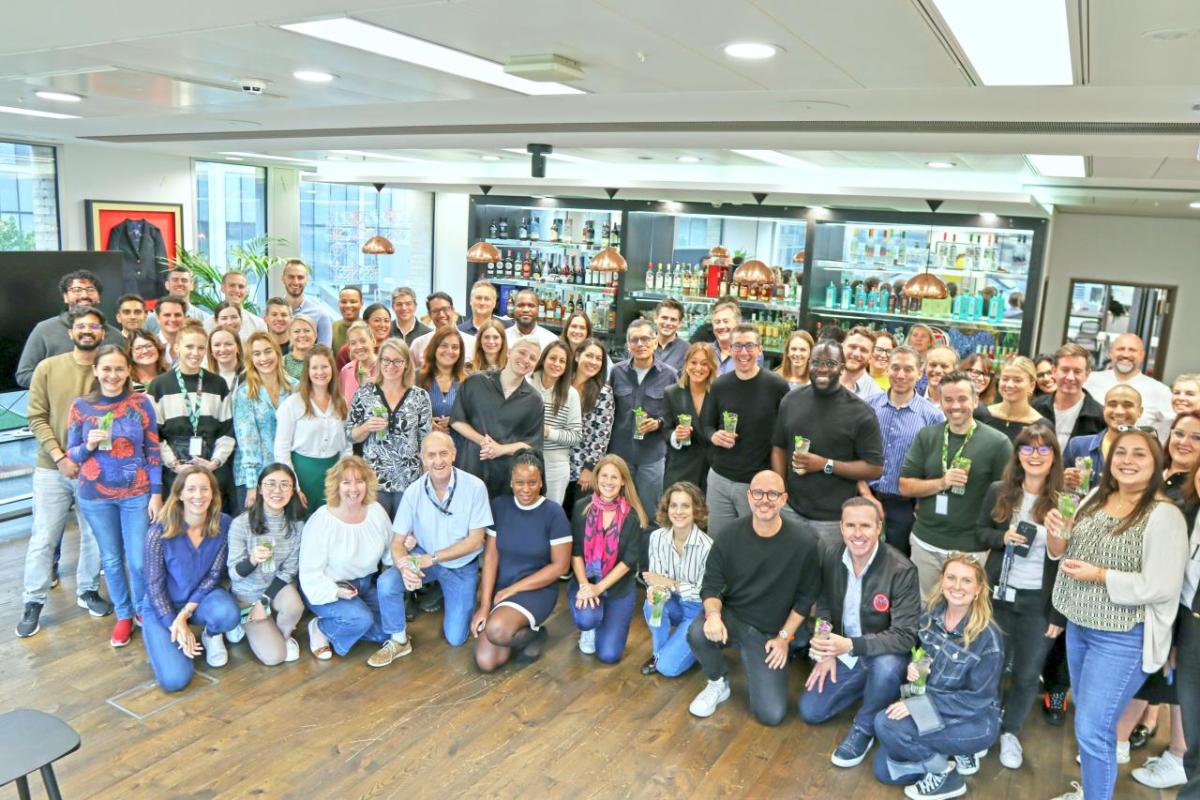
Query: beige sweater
56,383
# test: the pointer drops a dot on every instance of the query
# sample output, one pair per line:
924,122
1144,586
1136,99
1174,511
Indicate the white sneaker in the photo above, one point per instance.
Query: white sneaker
711,696
1162,772
587,642
1011,753
969,765
293,650
236,635
1076,793
215,654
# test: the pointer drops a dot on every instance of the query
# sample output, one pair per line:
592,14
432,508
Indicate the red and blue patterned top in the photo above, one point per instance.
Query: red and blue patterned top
133,466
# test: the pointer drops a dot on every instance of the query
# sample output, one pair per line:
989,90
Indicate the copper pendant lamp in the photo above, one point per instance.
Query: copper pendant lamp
719,255
754,271
926,286
378,245
608,260
483,253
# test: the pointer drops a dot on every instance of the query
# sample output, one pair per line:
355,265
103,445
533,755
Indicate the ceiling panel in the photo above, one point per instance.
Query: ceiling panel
1122,54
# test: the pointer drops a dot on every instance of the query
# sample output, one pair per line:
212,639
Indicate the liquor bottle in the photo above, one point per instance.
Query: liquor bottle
509,306
526,267
523,228
846,297
541,312
567,235
677,280
586,234
723,287
605,234
491,270
536,272
660,279
535,230
507,267
886,301
650,277
612,315
503,229
882,252
870,248
873,299
564,271
493,230
854,249
860,297
555,229
831,295
616,235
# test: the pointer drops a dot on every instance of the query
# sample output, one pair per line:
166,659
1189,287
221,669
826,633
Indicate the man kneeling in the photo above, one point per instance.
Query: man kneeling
870,596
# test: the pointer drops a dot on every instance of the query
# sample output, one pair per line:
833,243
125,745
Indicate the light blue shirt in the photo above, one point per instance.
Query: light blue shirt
852,602
320,317
441,523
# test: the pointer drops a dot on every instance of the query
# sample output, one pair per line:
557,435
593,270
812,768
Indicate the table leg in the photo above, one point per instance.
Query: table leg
23,788
51,783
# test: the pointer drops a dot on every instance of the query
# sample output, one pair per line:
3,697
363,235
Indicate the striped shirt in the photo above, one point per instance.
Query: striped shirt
214,427
687,570
899,426
565,425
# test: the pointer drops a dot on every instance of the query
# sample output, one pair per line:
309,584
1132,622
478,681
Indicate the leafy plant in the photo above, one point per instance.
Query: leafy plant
252,258
12,238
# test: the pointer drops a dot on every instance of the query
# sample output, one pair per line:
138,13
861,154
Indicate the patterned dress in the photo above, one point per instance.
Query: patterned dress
396,456
597,430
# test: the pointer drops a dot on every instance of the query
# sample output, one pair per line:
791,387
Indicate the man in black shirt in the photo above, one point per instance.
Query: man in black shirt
737,422
841,445
870,596
761,578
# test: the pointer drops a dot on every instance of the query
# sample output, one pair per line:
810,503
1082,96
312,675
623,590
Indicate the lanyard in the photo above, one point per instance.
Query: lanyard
946,444
442,507
193,409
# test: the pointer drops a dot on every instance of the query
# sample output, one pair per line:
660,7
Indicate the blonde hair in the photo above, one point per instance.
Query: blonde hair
397,344
173,523
710,357
333,479
254,382
628,490
1026,365
981,606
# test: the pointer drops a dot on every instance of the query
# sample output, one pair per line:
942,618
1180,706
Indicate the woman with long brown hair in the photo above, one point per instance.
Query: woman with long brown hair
979,368
959,709
607,528
1124,553
794,367
441,375
492,350
1011,524
688,452
225,357
185,564
310,433
148,356
597,410
563,425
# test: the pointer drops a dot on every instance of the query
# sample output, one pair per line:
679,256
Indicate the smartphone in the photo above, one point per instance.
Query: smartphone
1029,531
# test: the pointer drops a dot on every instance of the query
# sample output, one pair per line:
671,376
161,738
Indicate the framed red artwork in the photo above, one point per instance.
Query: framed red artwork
104,215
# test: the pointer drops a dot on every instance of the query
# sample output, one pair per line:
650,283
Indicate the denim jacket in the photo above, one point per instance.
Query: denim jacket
650,394
963,682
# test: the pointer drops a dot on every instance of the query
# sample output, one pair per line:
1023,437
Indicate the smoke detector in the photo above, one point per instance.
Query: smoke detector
252,85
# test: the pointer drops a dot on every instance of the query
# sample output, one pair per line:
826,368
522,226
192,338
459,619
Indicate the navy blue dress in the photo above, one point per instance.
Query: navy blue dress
524,537
442,404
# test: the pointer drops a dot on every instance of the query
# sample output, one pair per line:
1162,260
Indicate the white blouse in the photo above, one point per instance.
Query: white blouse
332,551
319,436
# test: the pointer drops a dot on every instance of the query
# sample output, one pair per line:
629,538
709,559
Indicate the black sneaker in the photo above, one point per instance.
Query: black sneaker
28,625
96,605
1055,708
935,786
429,599
853,749
650,667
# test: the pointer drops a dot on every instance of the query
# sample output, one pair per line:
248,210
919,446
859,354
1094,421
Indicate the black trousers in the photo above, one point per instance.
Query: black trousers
768,687
1187,685
899,515
1024,624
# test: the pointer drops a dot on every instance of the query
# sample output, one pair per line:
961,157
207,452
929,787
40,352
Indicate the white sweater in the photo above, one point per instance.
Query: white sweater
332,551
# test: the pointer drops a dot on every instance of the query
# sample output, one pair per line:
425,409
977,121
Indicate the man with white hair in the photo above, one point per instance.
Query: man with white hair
1128,354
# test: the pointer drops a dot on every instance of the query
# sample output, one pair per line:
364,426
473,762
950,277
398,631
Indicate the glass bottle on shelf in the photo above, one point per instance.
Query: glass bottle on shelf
526,267
555,230
605,234
535,230
503,228
523,228
493,230
616,235
567,235
536,272
491,269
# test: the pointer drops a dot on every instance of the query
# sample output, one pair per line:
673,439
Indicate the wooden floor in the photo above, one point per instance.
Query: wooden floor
432,726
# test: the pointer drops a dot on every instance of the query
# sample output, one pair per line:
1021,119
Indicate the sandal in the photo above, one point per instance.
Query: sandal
317,642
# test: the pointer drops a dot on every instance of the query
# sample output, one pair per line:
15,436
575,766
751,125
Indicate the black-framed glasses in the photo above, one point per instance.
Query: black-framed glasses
639,340
770,494
744,347
977,374
1041,449
392,362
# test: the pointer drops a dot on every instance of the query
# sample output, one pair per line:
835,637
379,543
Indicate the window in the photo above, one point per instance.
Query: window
231,208
335,220
28,197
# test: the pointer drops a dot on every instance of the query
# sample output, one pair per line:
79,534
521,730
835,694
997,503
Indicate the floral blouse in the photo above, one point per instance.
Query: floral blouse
597,429
396,455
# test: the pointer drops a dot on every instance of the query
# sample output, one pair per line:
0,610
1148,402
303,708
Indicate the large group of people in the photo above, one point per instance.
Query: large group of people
943,541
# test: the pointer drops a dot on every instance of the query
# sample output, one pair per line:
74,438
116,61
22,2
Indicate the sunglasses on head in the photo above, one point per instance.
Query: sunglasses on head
1140,428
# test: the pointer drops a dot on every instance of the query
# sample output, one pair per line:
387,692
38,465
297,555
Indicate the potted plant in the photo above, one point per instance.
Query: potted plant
252,258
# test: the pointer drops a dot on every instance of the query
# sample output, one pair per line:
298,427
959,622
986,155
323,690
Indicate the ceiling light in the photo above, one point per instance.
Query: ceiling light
776,158
58,97
986,31
988,217
1167,34
272,158
1194,205
234,158
368,154
688,160
941,164
489,158
753,51
552,156
31,112
1058,166
312,76
388,43
335,158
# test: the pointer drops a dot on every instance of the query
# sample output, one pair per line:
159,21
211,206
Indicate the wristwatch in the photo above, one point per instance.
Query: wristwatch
787,637
433,557
850,652
828,468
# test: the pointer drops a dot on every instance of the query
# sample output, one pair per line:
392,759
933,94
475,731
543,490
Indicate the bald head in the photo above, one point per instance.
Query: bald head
767,494
437,456
1127,352
767,480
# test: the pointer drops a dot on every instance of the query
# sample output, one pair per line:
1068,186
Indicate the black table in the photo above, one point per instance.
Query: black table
29,741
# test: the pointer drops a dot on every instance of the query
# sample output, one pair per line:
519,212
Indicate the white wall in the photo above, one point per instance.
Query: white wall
450,211
96,172
1124,249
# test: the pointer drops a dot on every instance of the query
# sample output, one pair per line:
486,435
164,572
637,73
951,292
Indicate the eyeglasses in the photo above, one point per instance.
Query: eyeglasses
1041,449
976,374
824,364
145,348
283,486
86,326
968,557
392,362
770,494
639,340
78,290
1180,435
743,347
1140,428
883,351
1046,374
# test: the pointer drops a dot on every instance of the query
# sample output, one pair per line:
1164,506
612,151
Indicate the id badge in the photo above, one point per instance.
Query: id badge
196,447
941,505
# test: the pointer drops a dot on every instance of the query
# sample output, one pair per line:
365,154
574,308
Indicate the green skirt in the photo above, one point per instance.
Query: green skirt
310,473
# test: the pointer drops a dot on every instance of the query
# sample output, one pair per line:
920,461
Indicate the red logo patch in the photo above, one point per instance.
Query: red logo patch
881,602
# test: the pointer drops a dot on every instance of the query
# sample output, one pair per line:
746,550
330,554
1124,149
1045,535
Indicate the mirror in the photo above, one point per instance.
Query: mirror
1100,312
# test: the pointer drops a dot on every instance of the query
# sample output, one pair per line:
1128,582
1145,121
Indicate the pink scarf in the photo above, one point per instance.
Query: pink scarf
601,545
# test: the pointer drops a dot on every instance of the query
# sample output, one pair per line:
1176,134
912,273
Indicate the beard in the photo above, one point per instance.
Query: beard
87,347
1124,367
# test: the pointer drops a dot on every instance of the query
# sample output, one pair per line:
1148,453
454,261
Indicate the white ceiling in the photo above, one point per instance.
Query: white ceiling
166,79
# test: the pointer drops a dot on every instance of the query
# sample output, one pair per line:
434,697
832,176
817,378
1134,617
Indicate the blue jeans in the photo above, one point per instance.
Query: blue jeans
648,480
672,654
610,620
905,755
53,497
875,680
218,612
120,529
458,597
1106,672
374,614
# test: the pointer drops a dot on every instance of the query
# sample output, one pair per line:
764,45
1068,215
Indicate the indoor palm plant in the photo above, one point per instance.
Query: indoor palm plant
252,257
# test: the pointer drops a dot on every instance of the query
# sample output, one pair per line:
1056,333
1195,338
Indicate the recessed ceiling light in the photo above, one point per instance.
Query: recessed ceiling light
33,112
941,164
58,97
688,160
368,154
389,43
753,51
335,158
234,158
1195,204
489,158
1052,166
988,216
1167,34
312,76
776,158
272,158
986,31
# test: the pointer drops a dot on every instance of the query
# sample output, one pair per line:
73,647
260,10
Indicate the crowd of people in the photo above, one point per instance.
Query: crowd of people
941,541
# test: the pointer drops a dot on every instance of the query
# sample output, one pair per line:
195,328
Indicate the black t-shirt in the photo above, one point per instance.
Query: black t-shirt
839,426
517,418
756,402
762,578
